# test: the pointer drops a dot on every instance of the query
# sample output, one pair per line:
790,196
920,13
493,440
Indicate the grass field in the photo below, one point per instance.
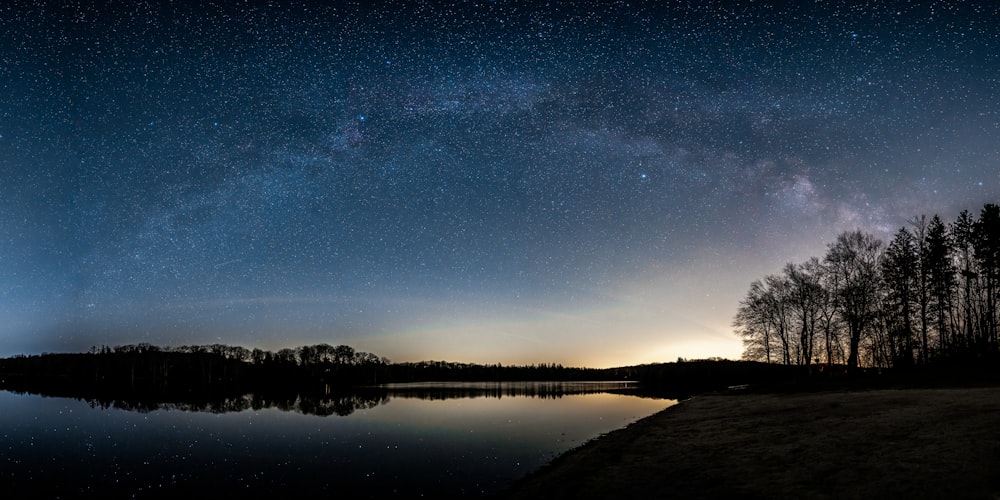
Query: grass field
909,443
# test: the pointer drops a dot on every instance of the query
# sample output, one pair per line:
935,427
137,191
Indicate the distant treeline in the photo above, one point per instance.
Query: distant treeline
215,370
203,374
323,379
446,371
929,297
220,369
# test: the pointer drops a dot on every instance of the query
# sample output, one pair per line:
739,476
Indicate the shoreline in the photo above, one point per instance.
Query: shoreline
917,443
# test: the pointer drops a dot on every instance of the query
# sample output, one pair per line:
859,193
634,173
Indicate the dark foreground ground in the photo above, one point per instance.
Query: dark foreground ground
910,443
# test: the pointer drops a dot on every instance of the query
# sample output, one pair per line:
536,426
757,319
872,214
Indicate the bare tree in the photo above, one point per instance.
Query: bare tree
934,292
854,260
805,296
762,320
829,321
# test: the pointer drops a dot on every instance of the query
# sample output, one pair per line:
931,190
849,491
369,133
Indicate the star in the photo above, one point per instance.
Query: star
423,185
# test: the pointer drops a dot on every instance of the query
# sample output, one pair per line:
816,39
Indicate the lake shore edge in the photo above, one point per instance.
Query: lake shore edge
917,443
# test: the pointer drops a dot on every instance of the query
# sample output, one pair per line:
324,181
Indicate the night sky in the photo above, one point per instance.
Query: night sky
588,183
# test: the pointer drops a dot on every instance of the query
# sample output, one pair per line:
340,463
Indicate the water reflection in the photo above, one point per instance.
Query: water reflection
332,405
344,403
408,440
450,390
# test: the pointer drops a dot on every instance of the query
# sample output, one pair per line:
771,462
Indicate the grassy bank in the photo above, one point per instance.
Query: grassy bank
912,443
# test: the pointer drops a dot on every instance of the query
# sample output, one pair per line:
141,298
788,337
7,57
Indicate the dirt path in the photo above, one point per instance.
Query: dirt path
913,443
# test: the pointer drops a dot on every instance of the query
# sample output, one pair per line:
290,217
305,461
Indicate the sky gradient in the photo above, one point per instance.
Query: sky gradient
586,183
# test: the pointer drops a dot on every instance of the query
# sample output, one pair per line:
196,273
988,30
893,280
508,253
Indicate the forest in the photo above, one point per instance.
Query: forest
220,369
145,375
927,298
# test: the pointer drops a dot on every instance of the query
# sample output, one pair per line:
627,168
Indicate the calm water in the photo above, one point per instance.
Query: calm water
419,439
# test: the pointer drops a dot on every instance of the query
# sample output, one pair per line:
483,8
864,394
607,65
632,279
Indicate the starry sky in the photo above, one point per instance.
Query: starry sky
588,183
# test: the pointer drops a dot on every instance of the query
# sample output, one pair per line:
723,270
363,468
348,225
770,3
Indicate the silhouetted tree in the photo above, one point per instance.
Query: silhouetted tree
986,242
286,356
941,277
778,297
933,295
854,260
805,297
782,315
308,356
753,323
899,269
922,284
963,233
343,355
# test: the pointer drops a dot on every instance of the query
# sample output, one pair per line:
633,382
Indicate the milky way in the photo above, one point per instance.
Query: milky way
587,182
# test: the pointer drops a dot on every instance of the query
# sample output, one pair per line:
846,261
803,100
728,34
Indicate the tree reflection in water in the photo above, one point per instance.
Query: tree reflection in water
431,439
339,403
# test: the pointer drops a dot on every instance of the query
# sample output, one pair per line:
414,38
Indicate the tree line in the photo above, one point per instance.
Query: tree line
321,379
929,296
206,369
219,369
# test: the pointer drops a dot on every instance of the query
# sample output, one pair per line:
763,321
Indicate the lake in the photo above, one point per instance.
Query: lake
423,439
